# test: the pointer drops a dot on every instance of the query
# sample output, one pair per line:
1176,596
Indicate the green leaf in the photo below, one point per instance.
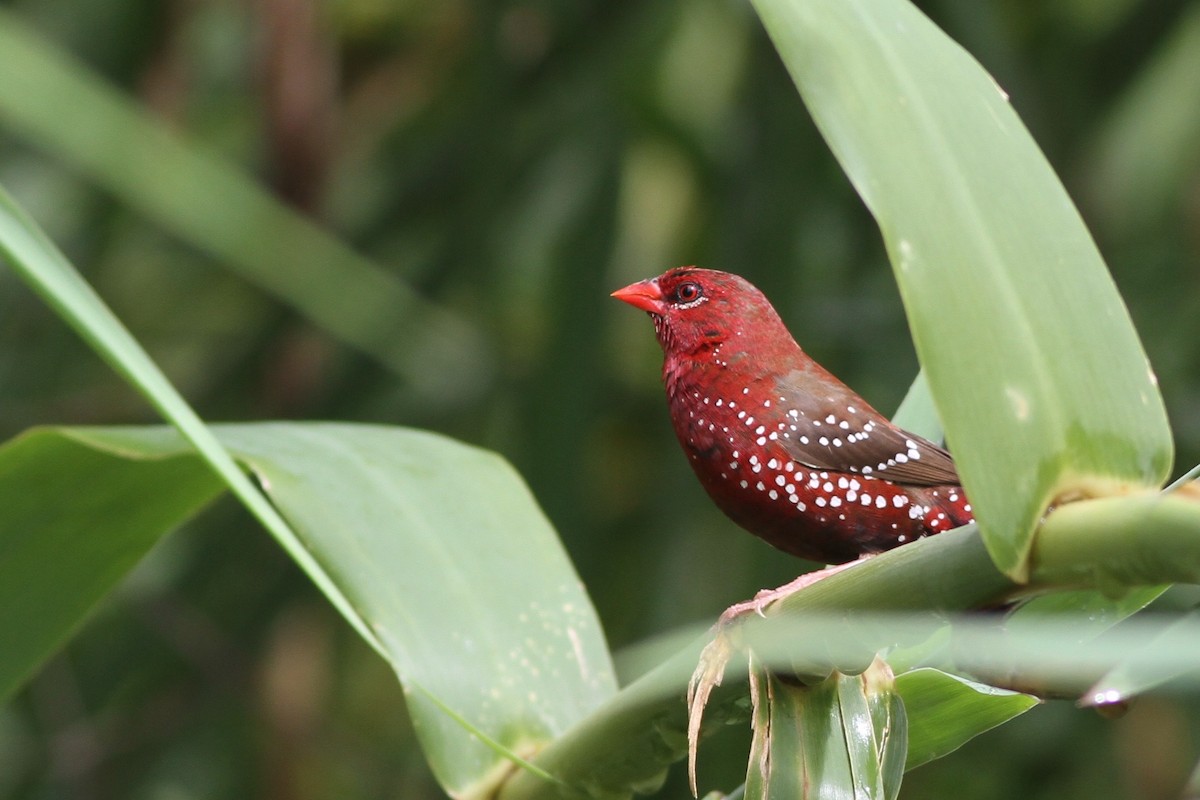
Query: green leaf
204,200
1036,369
946,711
438,547
74,520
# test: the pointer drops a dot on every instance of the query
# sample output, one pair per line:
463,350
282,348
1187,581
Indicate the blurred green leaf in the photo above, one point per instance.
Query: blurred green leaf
946,711
1141,671
207,202
1037,371
1090,611
1145,153
438,546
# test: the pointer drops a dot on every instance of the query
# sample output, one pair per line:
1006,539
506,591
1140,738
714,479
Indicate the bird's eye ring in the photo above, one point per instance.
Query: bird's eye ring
688,292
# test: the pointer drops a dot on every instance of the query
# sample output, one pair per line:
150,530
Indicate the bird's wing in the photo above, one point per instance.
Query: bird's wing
838,431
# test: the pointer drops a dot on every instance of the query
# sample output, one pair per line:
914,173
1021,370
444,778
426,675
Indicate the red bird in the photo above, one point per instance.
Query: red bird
785,449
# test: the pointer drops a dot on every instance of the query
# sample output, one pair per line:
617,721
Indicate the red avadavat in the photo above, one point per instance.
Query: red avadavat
783,447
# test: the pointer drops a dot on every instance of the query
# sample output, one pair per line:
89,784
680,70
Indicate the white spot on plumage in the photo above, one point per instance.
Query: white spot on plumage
880,501
823,441
820,501
774,495
780,481
761,440
744,484
900,500
835,501
759,486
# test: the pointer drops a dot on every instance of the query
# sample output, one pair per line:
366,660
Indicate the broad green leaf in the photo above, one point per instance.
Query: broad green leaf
438,546
1037,372
200,197
73,521
946,711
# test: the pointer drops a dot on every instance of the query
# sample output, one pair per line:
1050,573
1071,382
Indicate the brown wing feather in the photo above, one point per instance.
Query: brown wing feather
856,437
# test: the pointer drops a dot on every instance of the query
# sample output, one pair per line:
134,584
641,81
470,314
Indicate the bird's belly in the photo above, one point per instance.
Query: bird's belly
830,517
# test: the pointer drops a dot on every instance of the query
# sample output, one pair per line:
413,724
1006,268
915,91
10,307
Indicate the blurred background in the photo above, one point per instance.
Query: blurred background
511,163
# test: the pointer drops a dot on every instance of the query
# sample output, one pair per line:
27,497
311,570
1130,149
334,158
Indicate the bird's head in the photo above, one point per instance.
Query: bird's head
694,308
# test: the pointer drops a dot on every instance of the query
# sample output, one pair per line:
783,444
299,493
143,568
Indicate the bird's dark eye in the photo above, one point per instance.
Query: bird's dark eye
688,292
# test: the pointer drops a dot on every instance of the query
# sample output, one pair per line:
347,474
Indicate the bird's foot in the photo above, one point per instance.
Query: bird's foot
766,597
716,654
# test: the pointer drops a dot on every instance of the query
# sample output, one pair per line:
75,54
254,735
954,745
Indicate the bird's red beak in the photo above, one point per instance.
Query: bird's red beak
644,295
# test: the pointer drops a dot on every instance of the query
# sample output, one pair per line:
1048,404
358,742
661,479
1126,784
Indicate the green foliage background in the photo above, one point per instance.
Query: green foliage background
512,163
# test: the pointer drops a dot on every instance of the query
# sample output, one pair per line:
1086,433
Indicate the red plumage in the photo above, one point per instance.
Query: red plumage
784,448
